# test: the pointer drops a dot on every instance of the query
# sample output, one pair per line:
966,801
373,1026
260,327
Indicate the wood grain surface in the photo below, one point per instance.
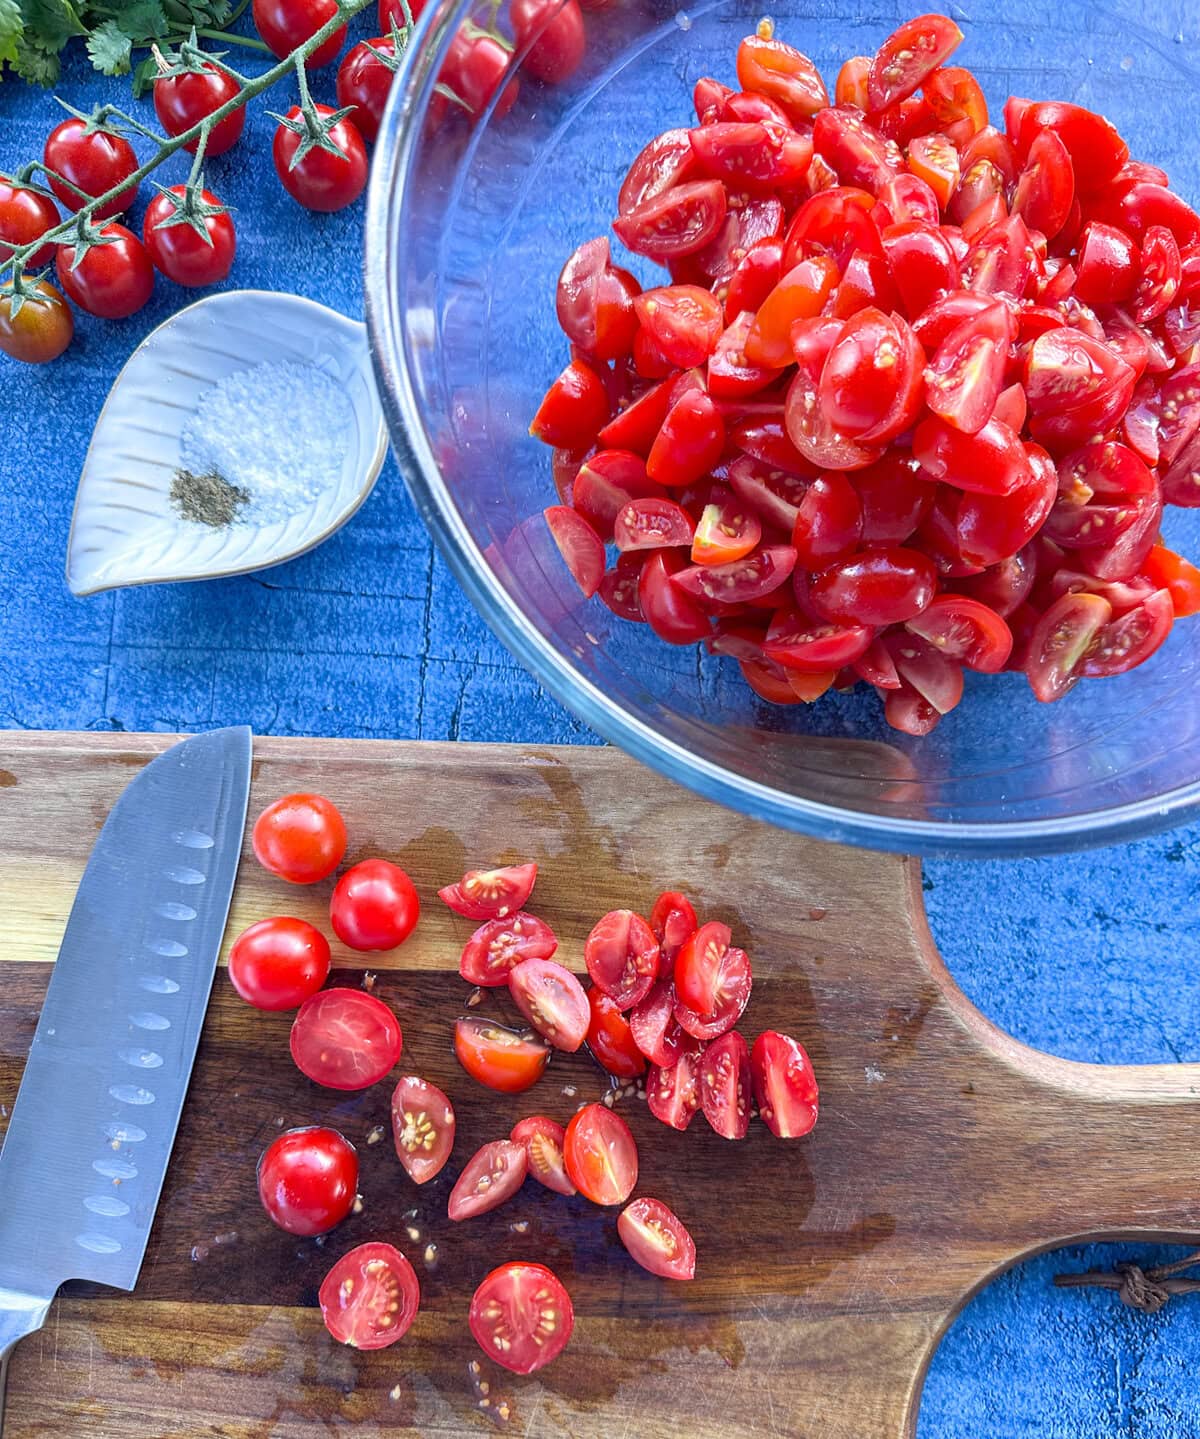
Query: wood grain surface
827,1268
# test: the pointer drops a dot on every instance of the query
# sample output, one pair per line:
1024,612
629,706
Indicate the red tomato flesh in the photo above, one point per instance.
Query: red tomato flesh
370,1297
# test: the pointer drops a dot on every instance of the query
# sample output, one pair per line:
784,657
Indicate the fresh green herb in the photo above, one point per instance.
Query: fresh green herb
34,33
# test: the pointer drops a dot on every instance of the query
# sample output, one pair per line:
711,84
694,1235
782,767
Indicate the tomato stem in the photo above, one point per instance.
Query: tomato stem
13,267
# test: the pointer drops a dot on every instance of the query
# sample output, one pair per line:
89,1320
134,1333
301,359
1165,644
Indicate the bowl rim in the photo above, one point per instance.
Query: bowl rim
382,264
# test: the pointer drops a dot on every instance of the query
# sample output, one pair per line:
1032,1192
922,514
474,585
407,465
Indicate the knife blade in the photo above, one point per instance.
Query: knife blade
93,1124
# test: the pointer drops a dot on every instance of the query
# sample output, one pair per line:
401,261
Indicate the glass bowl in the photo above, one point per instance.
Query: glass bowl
467,228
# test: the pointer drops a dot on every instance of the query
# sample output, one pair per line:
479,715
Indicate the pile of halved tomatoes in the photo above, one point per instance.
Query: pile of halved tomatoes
913,398
665,996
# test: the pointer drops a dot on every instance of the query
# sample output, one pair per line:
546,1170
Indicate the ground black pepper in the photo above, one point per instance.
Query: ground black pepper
208,498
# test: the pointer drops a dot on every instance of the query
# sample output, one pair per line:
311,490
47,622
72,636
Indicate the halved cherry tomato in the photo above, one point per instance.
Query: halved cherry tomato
870,386
1046,186
783,74
727,531
521,1316
679,221
655,1030
657,1240
345,1039
492,1175
573,410
683,320
652,524
732,982
610,1038
752,578
308,1179
580,546
595,302
829,524
490,893
800,294
690,442
497,1057
726,1085
875,587
552,1000
543,1141
665,162
374,906
601,1156
423,1126
785,1087
1060,640
277,963
370,1297
963,629
799,643
673,1091
498,945
1130,639
698,966
907,56
1167,570
621,954
965,376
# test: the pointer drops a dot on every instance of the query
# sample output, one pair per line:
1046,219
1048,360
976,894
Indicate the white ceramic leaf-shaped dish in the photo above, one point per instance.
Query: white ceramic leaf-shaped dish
124,530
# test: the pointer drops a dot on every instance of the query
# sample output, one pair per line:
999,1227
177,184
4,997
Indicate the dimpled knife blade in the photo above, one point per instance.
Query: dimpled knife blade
91,1132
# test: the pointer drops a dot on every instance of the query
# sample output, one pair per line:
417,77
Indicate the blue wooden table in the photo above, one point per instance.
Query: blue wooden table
1093,957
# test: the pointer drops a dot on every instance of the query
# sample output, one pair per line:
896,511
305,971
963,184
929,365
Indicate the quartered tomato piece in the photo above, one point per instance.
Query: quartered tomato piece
580,546
934,159
785,1087
924,265
573,410
837,221
907,56
1181,579
521,1317
906,198
1046,187
829,524
966,374
606,482
1161,274
908,711
1060,640
673,1092
772,493
922,667
594,302
771,68
600,1154
498,945
732,982
871,383
370,1297
610,1038
684,321
698,966
634,428
726,1086
499,1058
679,221
690,442
991,528
652,525
345,1039
1076,386
730,374
422,1127
621,955
1096,149
543,1141
493,1174
1107,266
1098,487
655,1030
670,612
657,1240
665,162
965,630
858,154
727,531
552,1000
1003,260
756,275
673,920
895,494
490,893
758,158
1130,639
799,295
954,95
1004,586
809,428
991,461
851,86
752,578
799,643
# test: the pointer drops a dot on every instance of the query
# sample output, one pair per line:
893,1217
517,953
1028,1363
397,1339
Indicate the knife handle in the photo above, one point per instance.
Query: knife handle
20,1314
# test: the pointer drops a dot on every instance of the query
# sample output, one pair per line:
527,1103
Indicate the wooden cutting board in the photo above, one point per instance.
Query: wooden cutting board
827,1268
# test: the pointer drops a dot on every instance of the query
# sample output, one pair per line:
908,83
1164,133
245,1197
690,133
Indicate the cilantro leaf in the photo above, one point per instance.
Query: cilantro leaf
109,49
143,77
143,20
51,22
35,63
12,27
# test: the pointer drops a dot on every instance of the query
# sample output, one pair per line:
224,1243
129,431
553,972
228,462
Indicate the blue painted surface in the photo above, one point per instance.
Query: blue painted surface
1092,957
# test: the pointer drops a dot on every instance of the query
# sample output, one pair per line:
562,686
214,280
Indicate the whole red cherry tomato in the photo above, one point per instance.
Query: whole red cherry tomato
374,906
91,160
308,1179
364,81
40,330
178,250
284,24
112,281
277,963
181,101
475,68
320,180
24,216
301,838
557,33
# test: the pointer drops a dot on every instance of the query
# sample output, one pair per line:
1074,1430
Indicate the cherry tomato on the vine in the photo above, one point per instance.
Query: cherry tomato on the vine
92,161
285,24
112,280
364,81
182,101
178,249
558,35
320,179
25,215
40,330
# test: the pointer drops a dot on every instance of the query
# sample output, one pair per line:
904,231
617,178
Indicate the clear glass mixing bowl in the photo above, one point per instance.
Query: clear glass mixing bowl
468,226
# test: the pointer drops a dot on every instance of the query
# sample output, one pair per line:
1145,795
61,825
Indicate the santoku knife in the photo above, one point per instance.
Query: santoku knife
95,1117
